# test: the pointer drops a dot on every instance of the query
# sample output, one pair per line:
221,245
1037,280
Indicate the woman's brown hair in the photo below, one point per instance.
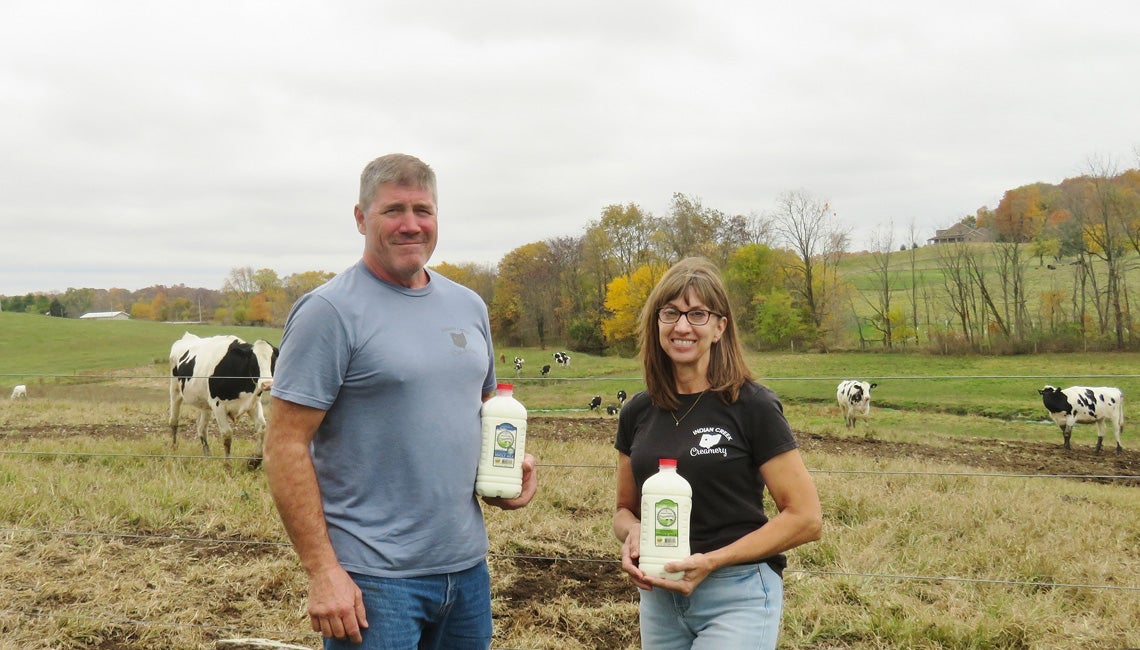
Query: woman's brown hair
727,368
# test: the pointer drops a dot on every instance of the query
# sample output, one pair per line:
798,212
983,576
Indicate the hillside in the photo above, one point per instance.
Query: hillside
31,344
864,273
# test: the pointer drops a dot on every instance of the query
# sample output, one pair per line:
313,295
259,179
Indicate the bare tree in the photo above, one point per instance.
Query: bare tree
912,235
1102,210
807,226
883,243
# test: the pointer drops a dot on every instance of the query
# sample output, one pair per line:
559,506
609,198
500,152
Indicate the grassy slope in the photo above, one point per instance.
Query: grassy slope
31,344
861,271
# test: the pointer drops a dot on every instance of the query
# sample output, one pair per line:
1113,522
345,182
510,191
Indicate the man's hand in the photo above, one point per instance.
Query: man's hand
336,606
529,488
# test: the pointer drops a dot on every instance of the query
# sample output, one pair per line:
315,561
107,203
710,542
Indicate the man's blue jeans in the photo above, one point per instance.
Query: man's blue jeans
734,608
451,611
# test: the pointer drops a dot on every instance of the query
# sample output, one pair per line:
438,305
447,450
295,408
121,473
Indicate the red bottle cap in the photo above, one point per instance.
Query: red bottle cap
667,462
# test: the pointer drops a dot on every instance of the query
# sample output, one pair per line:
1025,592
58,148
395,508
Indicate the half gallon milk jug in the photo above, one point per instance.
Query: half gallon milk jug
666,506
504,442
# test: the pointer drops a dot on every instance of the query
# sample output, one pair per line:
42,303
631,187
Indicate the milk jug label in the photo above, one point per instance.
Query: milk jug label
505,436
665,515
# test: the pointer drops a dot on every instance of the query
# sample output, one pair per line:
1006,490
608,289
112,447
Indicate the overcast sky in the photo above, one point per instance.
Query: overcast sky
156,142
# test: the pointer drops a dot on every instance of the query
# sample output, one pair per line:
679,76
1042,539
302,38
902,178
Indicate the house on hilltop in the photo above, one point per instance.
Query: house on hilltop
960,232
105,315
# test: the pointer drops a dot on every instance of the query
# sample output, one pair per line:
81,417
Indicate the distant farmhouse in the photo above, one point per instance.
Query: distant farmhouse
106,315
960,232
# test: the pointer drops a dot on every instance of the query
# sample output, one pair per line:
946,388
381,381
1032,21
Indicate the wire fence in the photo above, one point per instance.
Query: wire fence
35,613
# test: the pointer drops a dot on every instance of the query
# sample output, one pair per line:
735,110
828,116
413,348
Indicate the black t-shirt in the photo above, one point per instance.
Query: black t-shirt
719,449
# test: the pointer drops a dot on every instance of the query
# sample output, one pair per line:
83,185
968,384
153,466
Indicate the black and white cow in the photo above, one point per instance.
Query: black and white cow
222,376
546,370
562,358
1085,405
621,396
596,402
854,398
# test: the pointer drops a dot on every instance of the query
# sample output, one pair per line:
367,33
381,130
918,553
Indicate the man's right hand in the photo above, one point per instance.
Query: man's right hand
336,606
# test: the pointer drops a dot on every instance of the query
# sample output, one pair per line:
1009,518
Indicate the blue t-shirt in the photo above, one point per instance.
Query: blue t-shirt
401,374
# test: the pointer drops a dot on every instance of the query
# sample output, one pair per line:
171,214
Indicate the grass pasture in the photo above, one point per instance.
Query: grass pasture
953,518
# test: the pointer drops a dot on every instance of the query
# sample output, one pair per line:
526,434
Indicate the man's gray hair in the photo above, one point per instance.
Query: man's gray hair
398,168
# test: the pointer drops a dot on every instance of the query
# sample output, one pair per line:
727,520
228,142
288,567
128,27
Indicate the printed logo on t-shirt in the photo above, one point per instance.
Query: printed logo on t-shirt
711,437
459,341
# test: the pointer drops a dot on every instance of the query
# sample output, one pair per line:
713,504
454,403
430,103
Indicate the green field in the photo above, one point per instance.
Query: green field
998,393
953,519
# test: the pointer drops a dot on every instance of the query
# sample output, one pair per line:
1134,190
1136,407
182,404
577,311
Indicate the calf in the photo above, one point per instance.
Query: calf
596,402
223,376
1085,405
19,392
854,398
546,370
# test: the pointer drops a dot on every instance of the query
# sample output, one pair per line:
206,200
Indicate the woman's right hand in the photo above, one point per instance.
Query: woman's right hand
630,555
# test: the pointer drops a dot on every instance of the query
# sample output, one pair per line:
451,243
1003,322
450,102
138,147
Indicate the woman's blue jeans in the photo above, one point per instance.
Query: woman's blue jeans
734,608
451,611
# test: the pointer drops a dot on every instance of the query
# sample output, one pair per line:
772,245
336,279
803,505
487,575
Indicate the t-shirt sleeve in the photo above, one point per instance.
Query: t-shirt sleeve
769,433
315,353
627,421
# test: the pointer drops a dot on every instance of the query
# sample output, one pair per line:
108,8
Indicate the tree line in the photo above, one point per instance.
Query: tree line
793,282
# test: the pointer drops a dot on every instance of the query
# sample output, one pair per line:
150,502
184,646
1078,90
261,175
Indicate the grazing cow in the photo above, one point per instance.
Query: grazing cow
854,398
596,402
562,358
545,370
1085,405
19,392
223,376
612,409
621,397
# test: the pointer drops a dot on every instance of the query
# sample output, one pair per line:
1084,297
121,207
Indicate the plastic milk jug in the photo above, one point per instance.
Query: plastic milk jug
666,506
504,443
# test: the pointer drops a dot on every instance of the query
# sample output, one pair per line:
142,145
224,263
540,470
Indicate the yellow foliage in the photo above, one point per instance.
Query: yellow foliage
625,297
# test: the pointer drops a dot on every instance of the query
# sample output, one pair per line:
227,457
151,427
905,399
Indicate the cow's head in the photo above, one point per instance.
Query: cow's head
1048,390
266,355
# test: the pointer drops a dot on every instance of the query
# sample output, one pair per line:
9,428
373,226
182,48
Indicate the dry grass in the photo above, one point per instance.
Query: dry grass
119,551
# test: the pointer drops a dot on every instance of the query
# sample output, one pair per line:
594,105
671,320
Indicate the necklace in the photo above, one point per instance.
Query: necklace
677,420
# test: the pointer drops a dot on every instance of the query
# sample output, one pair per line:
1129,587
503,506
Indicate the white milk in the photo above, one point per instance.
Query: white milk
504,443
666,507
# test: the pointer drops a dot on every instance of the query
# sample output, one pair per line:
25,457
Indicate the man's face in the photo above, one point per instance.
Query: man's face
399,229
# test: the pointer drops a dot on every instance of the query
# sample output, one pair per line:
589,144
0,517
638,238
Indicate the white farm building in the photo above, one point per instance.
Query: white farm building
105,315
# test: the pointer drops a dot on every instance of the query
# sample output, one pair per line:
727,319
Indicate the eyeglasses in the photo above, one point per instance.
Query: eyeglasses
670,315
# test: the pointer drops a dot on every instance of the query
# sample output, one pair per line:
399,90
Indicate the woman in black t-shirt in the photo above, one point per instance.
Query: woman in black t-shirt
702,407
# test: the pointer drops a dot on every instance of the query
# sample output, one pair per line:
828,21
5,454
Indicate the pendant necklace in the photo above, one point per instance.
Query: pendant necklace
677,420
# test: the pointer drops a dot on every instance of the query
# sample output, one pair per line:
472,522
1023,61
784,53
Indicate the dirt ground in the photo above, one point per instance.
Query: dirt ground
596,584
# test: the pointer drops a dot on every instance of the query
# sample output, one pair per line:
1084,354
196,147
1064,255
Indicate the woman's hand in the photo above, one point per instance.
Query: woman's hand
630,554
696,568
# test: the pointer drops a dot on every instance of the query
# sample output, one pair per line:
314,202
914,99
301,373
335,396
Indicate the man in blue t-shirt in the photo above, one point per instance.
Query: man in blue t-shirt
374,434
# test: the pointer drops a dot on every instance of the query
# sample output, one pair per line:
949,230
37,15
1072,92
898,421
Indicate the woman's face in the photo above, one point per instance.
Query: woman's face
684,342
